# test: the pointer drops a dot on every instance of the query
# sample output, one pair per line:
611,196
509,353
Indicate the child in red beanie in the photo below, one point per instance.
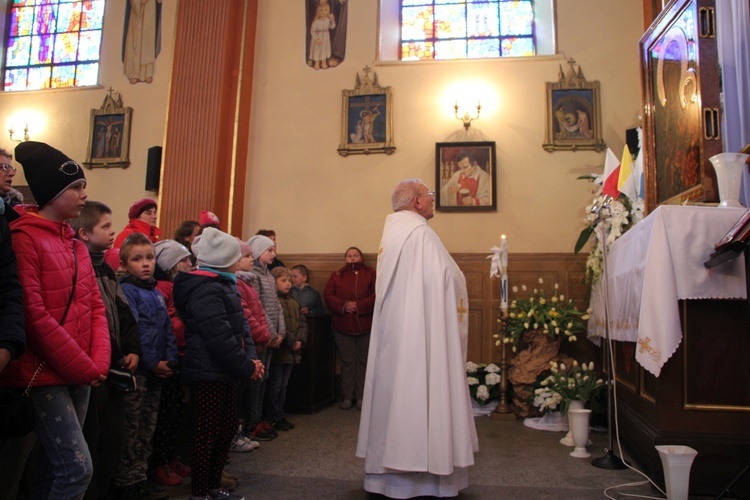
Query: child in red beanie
142,215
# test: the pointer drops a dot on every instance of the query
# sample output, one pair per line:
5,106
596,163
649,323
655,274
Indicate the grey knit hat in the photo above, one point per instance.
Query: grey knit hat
259,244
215,248
169,253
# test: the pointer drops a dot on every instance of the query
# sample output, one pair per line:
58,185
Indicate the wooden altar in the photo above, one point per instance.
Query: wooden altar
699,395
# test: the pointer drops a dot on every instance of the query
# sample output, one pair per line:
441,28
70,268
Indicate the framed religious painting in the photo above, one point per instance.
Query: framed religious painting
681,92
367,118
109,135
573,113
465,179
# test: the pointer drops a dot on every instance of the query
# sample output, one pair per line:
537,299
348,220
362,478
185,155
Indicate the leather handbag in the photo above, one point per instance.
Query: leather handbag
121,379
16,413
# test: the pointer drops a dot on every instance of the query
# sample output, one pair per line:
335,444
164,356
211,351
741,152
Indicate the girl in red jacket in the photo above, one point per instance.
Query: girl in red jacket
66,325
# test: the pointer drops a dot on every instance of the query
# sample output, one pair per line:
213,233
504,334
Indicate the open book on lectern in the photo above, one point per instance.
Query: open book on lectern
734,243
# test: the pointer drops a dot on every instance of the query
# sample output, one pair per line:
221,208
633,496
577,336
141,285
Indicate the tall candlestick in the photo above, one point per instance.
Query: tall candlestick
503,273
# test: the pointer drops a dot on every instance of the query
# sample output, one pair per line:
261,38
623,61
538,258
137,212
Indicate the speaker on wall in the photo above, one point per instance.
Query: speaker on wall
153,168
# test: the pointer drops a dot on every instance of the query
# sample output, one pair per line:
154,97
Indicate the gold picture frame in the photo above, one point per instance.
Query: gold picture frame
573,113
109,134
367,118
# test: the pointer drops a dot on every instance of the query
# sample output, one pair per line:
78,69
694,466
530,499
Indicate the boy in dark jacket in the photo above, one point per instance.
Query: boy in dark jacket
219,352
159,356
289,352
105,418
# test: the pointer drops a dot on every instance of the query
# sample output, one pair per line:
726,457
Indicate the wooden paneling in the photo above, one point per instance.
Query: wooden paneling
205,153
484,293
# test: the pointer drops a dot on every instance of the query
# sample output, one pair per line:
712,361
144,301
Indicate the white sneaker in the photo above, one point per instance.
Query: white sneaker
239,445
250,442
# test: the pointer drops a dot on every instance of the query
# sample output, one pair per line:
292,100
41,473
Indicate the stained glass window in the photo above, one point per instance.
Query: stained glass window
461,29
53,44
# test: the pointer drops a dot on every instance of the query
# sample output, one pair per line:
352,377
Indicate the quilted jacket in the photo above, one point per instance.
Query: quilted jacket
78,351
255,315
218,345
137,226
352,282
154,326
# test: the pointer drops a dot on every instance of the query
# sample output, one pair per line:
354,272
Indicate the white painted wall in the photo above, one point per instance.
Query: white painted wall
318,201
65,114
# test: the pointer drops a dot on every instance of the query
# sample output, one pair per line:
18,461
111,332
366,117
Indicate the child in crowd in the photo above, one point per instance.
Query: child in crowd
264,251
185,235
310,301
142,215
287,354
208,219
219,352
68,344
105,418
159,356
166,468
256,318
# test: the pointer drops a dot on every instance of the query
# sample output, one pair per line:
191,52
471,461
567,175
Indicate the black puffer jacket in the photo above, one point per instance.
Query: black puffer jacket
218,345
12,335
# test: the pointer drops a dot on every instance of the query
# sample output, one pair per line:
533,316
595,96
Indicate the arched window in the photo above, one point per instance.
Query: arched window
52,44
418,30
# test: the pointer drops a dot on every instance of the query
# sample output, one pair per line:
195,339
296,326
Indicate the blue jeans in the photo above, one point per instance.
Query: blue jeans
64,469
278,379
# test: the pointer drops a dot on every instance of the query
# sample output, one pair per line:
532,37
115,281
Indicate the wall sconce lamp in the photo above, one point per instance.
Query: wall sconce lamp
11,132
467,118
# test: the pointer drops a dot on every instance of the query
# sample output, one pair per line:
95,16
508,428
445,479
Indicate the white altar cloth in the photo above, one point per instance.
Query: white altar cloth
656,263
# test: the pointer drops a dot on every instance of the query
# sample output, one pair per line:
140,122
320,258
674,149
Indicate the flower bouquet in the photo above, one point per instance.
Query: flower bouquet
484,382
570,383
553,315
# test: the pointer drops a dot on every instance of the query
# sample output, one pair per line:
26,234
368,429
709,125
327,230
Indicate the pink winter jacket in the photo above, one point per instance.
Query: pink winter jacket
79,351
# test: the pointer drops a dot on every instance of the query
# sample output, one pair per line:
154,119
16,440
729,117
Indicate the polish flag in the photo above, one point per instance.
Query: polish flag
611,175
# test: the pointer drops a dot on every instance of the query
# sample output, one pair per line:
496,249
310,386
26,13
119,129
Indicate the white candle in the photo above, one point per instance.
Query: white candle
503,273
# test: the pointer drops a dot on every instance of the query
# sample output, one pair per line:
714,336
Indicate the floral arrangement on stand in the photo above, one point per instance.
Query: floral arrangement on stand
565,384
626,209
538,324
553,315
484,382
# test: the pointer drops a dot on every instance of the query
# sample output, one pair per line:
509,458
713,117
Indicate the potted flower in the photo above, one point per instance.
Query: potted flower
552,315
572,383
539,322
484,383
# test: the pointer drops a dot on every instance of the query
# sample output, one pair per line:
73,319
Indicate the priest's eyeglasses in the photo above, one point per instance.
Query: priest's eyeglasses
8,167
431,194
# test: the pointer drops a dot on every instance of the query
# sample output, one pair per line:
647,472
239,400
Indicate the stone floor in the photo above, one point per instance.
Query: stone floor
316,460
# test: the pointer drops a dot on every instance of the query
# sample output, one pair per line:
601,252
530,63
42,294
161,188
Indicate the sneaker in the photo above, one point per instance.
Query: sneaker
222,494
345,404
164,475
287,423
179,468
258,433
250,442
279,425
227,483
268,428
239,445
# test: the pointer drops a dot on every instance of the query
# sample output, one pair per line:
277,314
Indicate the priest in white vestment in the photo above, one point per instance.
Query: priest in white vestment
417,432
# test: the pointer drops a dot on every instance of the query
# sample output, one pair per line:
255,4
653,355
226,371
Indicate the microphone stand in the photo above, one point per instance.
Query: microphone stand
609,460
